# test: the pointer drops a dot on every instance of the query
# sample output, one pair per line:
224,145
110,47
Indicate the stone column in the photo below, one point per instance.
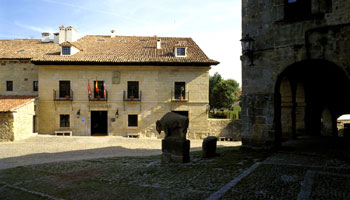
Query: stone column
175,151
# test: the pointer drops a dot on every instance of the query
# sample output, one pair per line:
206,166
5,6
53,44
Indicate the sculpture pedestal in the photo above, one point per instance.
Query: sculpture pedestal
175,151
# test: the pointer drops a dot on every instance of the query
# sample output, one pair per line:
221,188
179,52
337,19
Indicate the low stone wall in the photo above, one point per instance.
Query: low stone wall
225,128
6,127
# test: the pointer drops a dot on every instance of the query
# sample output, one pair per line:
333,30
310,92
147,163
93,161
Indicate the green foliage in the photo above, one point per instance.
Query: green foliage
222,93
230,114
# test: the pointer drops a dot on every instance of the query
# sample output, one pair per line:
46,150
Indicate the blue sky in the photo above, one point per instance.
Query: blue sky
214,25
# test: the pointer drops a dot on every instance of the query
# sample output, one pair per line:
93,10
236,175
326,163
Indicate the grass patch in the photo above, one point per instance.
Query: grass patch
134,177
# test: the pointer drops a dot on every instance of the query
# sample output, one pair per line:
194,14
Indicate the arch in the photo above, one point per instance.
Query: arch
317,92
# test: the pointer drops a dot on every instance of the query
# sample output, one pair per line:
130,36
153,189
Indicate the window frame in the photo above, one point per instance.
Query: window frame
9,86
177,90
181,55
64,121
66,50
101,88
132,124
63,92
35,86
133,90
297,10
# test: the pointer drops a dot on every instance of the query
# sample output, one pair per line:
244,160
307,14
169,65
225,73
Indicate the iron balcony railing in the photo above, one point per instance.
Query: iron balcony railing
63,95
99,96
132,97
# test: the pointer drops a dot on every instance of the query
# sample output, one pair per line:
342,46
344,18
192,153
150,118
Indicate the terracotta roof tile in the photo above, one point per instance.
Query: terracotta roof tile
9,103
26,48
106,49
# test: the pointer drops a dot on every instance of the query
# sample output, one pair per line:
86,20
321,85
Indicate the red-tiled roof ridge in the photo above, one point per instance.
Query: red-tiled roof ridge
10,103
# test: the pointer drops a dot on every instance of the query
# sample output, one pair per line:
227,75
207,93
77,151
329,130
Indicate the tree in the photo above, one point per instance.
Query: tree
222,93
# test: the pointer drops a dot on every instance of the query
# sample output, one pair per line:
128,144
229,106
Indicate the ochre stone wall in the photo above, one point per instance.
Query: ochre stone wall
280,43
156,84
22,73
225,128
6,127
23,121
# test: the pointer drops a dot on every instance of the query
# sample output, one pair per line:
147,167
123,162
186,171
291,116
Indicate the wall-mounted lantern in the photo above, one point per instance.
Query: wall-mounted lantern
247,47
117,114
78,114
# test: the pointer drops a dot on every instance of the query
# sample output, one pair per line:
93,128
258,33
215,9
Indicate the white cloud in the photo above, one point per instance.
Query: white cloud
37,29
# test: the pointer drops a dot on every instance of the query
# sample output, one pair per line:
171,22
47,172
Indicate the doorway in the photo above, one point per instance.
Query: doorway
99,125
183,113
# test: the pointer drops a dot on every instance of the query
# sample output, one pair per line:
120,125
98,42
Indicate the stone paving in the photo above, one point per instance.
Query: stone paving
40,149
298,173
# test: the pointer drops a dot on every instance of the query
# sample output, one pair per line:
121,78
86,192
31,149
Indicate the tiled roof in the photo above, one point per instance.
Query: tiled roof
10,103
106,49
25,48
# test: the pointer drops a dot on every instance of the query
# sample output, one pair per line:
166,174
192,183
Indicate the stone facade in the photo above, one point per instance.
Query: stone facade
17,124
6,127
22,72
301,69
225,128
155,83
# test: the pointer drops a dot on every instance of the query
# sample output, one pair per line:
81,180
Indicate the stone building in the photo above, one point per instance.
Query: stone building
17,117
108,84
296,78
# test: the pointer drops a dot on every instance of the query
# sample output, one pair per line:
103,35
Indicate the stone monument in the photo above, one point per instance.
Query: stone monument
175,147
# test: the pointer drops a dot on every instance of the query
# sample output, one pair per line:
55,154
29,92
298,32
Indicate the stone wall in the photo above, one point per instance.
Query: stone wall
22,73
6,127
156,84
23,121
225,128
279,44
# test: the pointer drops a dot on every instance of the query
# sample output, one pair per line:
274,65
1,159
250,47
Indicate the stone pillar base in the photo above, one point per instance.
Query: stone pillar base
175,151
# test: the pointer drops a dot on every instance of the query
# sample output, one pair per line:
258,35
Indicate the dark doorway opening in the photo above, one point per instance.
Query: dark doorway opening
99,125
309,97
183,113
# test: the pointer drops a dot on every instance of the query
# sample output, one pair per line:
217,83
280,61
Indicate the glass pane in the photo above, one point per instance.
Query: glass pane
64,89
133,89
180,90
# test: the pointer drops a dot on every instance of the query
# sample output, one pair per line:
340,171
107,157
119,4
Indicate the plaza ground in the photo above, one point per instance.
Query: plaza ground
301,169
40,149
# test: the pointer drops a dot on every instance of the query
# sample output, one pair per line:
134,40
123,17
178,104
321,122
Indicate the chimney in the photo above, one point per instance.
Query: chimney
159,44
45,37
112,33
68,33
56,38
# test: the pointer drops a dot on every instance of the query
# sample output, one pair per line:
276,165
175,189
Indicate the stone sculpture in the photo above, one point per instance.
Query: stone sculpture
175,147
174,125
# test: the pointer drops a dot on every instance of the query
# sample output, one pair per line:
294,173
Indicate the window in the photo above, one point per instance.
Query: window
132,120
180,52
64,89
66,50
99,89
297,9
9,85
35,86
64,121
180,90
133,89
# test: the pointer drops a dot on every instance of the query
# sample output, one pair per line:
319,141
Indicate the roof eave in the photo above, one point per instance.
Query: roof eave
206,64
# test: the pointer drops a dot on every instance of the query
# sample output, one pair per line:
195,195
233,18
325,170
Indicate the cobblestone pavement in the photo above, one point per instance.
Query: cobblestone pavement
45,149
296,172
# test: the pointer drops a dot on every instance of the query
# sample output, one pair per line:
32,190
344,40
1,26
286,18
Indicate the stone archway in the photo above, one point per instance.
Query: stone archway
309,97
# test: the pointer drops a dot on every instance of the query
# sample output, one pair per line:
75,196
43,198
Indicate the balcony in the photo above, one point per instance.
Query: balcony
132,97
99,96
62,95
176,97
